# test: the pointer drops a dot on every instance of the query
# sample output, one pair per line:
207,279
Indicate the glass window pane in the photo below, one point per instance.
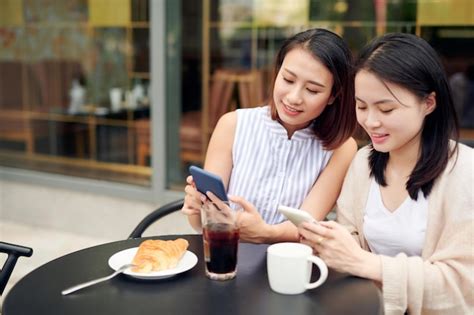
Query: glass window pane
234,42
74,89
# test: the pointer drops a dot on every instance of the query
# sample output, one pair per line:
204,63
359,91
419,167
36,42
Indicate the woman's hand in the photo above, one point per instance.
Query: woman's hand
252,227
192,199
337,247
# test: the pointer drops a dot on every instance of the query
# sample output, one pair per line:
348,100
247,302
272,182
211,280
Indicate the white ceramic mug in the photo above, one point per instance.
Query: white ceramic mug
289,267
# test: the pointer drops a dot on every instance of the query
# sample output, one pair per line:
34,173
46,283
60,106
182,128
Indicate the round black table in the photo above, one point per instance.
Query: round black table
190,292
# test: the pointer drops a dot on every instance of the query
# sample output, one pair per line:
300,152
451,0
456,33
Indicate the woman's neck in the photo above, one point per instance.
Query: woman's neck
403,160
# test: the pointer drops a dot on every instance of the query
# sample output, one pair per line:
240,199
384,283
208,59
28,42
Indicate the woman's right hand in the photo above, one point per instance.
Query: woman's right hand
192,199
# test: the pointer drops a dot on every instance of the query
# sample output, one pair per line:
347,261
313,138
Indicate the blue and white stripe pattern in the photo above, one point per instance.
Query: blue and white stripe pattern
270,169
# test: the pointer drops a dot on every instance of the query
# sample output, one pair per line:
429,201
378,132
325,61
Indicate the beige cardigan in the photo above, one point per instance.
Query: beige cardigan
441,281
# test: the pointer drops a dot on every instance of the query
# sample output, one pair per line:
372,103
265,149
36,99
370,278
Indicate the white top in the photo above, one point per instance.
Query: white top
401,231
270,169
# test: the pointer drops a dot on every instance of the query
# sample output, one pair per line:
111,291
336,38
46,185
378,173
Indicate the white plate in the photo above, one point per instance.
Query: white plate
188,261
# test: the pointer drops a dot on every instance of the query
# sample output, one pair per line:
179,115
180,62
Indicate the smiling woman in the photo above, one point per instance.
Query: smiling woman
297,95
405,210
391,115
294,152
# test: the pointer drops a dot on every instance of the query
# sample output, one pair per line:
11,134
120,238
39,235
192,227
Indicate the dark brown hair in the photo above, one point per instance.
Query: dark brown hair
338,120
410,62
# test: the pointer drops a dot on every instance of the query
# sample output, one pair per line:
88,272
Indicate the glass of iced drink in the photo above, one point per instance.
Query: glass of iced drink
221,240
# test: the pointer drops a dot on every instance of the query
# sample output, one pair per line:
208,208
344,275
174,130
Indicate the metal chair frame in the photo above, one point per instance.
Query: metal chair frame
155,216
13,251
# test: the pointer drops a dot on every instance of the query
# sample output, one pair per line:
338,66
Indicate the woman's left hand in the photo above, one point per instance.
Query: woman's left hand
334,245
252,227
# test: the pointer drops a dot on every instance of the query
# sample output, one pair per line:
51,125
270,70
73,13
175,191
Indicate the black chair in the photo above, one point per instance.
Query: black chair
155,216
13,251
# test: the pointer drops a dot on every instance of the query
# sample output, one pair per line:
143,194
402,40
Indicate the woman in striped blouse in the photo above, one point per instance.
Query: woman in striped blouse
293,152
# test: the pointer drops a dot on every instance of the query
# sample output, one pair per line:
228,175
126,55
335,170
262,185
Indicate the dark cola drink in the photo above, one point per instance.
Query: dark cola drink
221,243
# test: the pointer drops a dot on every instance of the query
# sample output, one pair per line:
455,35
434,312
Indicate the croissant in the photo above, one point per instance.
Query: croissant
157,255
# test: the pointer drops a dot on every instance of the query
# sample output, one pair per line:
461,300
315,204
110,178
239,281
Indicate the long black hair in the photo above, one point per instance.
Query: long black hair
338,121
410,62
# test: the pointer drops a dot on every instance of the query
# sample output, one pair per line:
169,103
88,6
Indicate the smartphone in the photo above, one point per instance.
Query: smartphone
296,216
206,181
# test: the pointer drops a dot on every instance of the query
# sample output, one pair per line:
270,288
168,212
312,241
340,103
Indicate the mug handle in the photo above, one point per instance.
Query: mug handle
323,271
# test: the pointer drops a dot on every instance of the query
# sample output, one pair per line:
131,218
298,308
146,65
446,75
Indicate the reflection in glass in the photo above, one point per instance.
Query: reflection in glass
59,62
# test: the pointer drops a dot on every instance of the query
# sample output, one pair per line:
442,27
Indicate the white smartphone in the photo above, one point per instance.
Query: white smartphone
296,216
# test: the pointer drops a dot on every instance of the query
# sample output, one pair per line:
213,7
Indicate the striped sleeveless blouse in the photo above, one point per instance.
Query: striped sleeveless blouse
270,169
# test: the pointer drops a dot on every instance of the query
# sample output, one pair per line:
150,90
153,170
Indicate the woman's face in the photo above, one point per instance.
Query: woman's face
302,90
391,115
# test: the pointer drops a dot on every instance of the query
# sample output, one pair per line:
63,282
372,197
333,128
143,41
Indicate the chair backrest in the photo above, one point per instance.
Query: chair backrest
220,96
249,84
13,251
251,89
155,216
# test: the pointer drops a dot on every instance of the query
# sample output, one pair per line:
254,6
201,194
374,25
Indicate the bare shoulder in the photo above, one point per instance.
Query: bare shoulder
343,155
348,149
224,132
227,123
219,150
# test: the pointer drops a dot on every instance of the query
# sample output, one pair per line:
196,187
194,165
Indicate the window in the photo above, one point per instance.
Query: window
74,81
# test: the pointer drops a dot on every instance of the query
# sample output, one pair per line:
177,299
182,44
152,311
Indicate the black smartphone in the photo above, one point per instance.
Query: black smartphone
207,181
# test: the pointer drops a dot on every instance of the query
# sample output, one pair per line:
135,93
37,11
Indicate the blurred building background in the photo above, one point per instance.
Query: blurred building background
105,103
